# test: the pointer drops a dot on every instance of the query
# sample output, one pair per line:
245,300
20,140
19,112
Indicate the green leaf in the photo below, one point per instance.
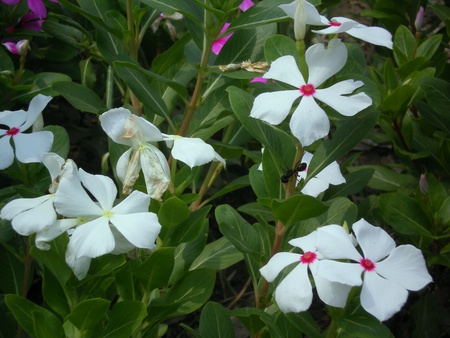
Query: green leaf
428,47
360,324
237,230
54,293
386,179
188,8
297,208
263,13
305,323
404,43
404,214
172,212
277,46
25,313
88,313
217,255
11,271
398,100
61,142
349,134
125,317
390,77
437,119
42,83
186,296
46,325
355,182
156,270
443,215
80,97
140,84
215,322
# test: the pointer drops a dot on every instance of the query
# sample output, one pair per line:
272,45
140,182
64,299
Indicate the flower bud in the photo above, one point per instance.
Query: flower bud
300,21
419,19
423,184
18,48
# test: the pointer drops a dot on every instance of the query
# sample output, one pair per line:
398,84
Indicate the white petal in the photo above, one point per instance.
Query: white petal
306,243
149,132
53,162
7,157
285,69
345,105
136,202
294,293
156,171
79,266
312,15
380,297
92,239
275,106
54,230
122,165
277,263
332,174
101,187
340,272
37,105
290,8
30,215
333,294
323,62
315,187
192,151
71,200
31,147
375,35
346,24
113,123
309,122
139,229
406,266
12,119
122,245
374,241
334,242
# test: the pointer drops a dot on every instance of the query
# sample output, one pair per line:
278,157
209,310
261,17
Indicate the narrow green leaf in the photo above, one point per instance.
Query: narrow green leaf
80,97
297,208
404,214
236,229
215,322
125,317
404,42
217,255
188,8
428,47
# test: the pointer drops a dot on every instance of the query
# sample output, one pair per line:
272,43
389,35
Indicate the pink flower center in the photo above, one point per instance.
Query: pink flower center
307,89
334,23
308,257
367,264
13,131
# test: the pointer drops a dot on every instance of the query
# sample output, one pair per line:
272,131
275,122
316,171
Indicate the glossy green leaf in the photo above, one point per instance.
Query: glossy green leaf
302,322
217,255
297,208
42,83
172,212
236,229
25,312
404,42
80,97
88,313
125,317
11,271
349,134
386,179
404,214
215,322
156,270
355,182
188,8
428,47
361,324
277,46
61,142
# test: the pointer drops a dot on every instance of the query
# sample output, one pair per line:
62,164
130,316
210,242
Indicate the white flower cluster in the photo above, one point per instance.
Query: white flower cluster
386,272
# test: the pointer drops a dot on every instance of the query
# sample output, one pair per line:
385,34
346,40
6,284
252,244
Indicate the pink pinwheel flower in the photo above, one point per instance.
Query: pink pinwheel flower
294,292
375,35
29,21
220,42
309,121
385,271
18,48
28,147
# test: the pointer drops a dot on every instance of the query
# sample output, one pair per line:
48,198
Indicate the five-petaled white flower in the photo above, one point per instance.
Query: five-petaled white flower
294,292
375,35
387,271
309,121
123,127
331,174
96,236
28,147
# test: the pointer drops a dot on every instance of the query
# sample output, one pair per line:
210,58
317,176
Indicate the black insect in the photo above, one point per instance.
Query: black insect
291,172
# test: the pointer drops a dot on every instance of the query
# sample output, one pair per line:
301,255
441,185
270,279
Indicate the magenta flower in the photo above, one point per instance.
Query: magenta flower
18,48
245,5
36,6
219,43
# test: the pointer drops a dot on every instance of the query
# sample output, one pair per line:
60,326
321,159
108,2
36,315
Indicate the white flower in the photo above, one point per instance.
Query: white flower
309,121
123,127
95,237
294,292
31,215
192,151
331,174
375,35
28,147
387,271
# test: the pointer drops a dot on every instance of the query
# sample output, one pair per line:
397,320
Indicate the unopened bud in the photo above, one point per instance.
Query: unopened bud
419,19
423,184
18,48
300,21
